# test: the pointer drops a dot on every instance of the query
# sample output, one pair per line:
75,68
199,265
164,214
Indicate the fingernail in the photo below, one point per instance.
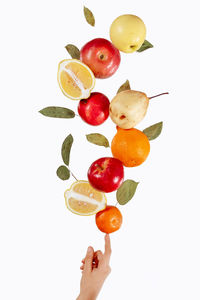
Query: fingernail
89,250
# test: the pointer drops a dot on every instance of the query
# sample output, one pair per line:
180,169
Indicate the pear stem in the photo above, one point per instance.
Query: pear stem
158,95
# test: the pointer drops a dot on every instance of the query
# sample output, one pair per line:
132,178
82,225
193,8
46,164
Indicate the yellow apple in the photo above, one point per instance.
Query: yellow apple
127,33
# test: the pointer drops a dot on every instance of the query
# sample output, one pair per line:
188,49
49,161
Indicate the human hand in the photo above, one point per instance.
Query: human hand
95,270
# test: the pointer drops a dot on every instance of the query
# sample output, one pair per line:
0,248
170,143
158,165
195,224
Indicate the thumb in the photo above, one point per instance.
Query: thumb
89,259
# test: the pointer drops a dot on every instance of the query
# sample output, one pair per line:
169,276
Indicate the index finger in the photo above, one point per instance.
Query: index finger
108,250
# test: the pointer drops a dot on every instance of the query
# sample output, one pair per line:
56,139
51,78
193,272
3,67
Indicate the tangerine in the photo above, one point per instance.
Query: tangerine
109,219
131,146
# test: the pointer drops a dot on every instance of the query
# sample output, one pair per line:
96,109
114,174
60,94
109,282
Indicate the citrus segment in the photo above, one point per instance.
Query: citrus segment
68,85
82,73
79,206
75,79
83,199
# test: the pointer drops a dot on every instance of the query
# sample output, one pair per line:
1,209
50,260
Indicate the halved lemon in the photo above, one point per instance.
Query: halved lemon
83,199
75,79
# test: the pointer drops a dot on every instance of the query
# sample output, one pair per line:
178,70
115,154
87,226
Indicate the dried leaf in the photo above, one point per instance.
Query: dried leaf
66,148
89,16
73,51
146,45
63,173
97,139
57,112
126,191
153,131
125,86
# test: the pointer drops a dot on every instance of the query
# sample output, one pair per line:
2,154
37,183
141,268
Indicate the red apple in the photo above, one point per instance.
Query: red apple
101,56
95,109
106,174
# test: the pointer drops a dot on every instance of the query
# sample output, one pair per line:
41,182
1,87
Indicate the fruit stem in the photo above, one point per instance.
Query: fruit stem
100,167
158,95
72,174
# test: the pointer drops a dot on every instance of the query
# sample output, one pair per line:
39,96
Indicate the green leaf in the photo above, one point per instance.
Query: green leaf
126,191
97,139
125,86
89,16
146,45
66,148
73,51
63,173
57,112
153,131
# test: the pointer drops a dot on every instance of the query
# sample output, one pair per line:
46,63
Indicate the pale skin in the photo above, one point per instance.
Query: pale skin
95,269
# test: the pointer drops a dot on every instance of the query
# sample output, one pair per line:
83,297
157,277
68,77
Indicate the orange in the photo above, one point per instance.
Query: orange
109,219
75,79
131,146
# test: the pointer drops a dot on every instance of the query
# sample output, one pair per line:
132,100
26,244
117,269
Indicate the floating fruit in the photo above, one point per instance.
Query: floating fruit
75,79
109,219
127,33
130,146
82,199
95,109
128,108
101,56
106,174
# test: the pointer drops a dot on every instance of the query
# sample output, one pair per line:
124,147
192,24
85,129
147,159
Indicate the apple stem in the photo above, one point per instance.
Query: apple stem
100,167
72,174
158,95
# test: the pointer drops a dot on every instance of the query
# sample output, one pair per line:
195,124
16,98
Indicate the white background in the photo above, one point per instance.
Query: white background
156,252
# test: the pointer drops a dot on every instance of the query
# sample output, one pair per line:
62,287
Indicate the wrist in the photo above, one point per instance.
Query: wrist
86,297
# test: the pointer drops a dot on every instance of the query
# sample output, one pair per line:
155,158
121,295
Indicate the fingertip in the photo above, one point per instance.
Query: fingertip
107,237
107,245
88,259
90,250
